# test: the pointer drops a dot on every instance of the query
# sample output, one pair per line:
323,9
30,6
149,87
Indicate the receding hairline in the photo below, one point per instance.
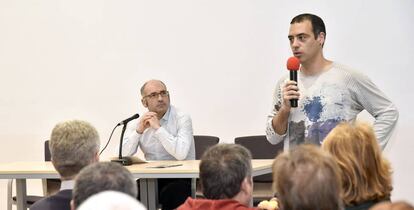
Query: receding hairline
145,84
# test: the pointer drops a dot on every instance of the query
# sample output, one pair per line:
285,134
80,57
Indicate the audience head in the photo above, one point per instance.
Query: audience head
306,178
73,145
100,177
366,175
399,205
111,200
226,173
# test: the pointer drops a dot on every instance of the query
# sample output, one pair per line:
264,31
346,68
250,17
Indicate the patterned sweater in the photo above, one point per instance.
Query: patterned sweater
336,95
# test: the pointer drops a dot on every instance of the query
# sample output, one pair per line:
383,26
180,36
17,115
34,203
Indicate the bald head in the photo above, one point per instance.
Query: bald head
151,83
155,97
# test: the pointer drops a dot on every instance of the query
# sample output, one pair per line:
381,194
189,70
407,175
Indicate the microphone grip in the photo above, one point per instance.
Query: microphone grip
293,76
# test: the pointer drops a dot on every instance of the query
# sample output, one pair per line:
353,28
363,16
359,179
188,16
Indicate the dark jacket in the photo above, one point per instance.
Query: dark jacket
58,201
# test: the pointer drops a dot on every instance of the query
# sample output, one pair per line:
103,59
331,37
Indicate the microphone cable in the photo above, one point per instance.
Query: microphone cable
108,140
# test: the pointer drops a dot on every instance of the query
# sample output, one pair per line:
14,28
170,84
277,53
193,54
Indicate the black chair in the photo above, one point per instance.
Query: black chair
261,149
201,144
50,186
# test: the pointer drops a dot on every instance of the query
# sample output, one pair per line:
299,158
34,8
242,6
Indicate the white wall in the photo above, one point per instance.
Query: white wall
220,59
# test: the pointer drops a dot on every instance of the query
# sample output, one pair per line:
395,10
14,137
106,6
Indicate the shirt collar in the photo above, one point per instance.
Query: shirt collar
67,185
166,116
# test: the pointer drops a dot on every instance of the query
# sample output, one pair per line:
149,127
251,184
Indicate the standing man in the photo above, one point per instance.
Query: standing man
327,92
162,133
73,145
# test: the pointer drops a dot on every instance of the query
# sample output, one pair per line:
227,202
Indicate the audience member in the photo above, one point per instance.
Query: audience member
306,178
101,177
386,205
111,200
366,174
73,145
226,179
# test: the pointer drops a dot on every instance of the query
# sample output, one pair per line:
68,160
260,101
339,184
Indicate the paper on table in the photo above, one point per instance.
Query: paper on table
165,166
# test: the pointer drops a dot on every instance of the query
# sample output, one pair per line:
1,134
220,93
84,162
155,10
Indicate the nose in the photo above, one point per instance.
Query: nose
160,98
295,43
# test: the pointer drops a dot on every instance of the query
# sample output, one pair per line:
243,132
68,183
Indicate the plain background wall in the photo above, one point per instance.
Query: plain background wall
86,59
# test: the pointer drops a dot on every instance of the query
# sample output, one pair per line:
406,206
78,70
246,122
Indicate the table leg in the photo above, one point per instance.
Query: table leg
143,191
152,194
21,194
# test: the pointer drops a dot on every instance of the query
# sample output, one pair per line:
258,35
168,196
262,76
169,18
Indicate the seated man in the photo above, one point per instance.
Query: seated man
307,178
101,177
163,133
73,145
226,179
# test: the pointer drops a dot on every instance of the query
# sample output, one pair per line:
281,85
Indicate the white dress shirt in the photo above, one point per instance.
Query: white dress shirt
172,141
67,185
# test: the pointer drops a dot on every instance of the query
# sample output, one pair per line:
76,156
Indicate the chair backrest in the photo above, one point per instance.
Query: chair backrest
47,151
51,186
260,149
202,143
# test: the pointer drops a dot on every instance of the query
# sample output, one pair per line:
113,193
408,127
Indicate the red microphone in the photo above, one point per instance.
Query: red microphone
293,65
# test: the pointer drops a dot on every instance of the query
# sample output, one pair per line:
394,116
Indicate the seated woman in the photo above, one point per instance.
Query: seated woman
366,175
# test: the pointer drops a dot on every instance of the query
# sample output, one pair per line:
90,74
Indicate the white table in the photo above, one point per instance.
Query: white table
145,172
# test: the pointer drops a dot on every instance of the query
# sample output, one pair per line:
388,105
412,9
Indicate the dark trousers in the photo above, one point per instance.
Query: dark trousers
172,192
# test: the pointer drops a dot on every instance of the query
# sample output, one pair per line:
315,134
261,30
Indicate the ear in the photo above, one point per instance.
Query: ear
72,205
246,192
144,102
97,156
321,38
247,185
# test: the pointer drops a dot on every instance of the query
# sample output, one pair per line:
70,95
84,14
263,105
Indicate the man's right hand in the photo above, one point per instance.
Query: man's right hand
144,122
290,91
280,121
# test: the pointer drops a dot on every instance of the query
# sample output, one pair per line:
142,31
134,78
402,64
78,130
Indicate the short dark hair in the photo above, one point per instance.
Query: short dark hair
100,177
223,168
307,178
318,25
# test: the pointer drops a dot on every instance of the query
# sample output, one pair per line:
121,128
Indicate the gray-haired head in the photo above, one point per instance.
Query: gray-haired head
223,168
307,178
101,177
73,145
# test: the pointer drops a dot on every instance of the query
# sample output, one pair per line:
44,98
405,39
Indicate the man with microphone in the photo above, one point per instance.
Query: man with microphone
162,133
327,93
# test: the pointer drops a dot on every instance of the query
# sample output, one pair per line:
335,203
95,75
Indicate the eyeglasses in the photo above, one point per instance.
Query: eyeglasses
155,95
